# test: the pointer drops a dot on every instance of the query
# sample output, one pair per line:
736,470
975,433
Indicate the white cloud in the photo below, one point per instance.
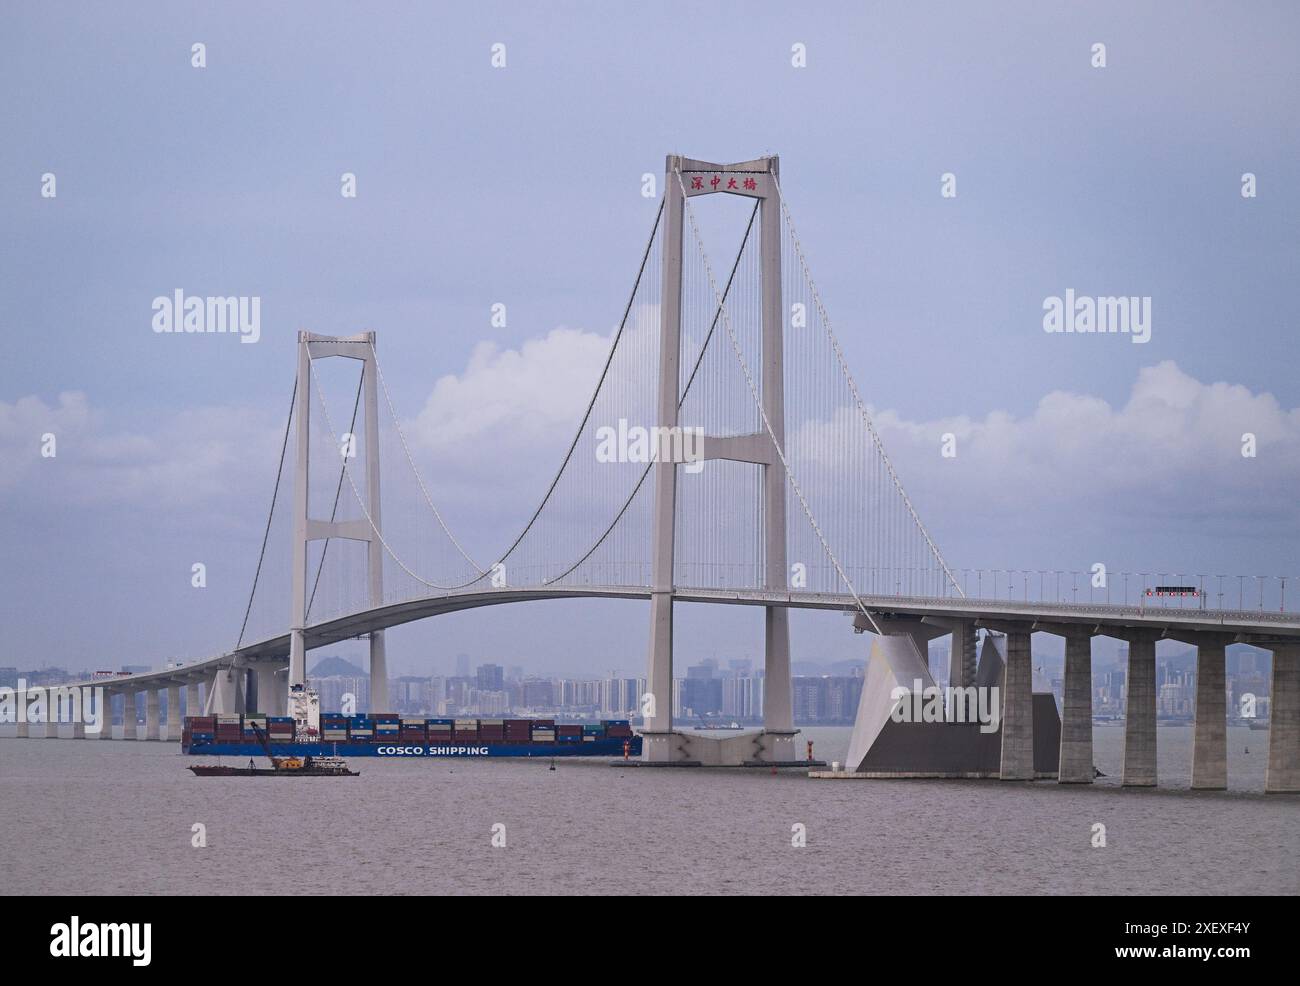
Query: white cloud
193,458
1172,450
513,399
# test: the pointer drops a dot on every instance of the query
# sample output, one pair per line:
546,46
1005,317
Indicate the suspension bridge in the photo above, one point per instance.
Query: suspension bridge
726,456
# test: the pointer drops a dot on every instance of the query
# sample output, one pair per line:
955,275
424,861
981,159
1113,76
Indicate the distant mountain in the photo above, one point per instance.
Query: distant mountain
331,667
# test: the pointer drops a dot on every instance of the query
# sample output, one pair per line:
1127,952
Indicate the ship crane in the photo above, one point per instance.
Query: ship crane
279,763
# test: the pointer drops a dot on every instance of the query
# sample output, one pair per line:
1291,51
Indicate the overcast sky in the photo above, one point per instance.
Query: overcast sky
522,185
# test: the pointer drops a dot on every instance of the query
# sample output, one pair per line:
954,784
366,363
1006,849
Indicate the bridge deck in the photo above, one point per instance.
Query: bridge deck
1250,626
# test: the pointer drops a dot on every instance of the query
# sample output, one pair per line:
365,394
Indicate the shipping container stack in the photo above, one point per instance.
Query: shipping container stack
592,732
517,731
361,729
618,728
566,733
439,731
229,728
413,731
388,726
492,730
333,727
199,729
280,728
543,730
465,731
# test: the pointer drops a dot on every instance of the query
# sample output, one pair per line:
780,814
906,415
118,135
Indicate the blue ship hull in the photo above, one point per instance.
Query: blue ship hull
605,746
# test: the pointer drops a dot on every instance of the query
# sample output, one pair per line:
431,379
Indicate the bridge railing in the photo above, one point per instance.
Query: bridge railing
1142,590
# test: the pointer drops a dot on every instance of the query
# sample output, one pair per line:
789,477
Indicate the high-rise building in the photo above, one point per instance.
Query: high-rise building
492,703
620,698
702,690
539,693
742,697
491,678
826,699
341,693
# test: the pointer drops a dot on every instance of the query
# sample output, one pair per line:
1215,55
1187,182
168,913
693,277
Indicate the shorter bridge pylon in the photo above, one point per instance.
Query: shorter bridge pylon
306,528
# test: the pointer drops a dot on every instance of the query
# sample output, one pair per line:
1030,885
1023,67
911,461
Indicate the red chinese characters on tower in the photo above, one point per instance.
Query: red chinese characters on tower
723,182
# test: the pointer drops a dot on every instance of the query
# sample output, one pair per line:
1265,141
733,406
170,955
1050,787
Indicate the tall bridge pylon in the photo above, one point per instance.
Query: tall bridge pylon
755,179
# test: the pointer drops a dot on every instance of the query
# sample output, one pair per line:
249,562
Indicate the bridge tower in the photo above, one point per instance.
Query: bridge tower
306,528
755,179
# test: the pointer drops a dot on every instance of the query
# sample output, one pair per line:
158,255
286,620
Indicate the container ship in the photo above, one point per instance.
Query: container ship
391,735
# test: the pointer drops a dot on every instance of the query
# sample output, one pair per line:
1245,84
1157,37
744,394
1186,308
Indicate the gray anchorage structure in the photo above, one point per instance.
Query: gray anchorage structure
903,598
1029,742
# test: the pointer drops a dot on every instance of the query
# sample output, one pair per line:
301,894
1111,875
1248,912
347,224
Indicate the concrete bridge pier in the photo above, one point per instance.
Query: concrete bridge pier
1210,730
961,657
173,712
1283,771
659,744
777,743
151,715
193,701
52,714
79,727
1076,764
24,727
130,715
1017,700
1018,707
106,715
1140,710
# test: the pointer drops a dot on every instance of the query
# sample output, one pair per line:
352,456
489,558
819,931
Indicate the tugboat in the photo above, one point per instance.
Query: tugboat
280,766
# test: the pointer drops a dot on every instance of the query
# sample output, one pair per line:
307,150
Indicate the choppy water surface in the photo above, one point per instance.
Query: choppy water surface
109,818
